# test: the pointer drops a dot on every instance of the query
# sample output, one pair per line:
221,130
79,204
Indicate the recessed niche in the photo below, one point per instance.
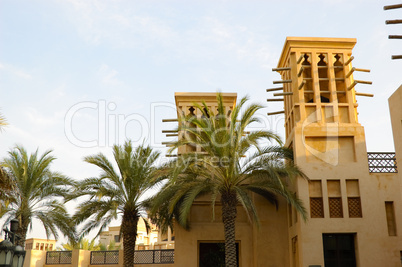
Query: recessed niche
332,150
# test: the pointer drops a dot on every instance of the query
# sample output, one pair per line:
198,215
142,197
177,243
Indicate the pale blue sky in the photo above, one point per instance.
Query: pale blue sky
131,56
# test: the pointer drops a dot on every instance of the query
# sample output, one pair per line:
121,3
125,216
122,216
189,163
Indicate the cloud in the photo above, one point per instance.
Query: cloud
38,119
15,71
108,76
115,22
186,38
213,34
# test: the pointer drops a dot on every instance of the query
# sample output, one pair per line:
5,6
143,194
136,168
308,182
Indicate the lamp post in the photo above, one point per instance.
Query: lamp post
11,255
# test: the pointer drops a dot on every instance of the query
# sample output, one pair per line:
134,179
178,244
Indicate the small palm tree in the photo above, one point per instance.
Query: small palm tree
83,244
112,245
37,193
118,192
224,172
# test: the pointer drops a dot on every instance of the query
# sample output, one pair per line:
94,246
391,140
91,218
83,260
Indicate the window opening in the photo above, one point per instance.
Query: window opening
323,78
316,201
295,252
390,214
354,203
190,116
205,112
308,87
340,78
334,199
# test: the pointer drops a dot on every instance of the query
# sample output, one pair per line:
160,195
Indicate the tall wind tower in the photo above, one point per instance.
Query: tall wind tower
345,201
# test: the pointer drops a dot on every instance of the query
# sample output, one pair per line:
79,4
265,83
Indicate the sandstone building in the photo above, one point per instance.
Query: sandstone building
353,197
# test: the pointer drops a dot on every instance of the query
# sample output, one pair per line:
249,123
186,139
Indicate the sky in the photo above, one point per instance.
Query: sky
79,76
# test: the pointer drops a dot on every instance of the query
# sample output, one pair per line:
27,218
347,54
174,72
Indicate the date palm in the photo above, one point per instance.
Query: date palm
37,193
233,164
118,192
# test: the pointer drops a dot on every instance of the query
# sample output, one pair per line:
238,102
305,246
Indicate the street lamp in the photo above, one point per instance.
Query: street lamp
11,255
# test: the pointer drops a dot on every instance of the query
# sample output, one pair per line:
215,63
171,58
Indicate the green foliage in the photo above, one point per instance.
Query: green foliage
83,244
102,247
37,193
112,245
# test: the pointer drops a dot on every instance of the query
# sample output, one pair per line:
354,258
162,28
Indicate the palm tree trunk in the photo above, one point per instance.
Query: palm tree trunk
22,231
129,231
229,213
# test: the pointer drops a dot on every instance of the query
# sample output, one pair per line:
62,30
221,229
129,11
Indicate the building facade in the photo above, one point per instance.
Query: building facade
353,197
354,210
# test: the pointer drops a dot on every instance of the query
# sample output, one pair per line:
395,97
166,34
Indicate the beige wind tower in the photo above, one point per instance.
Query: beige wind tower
348,224
185,108
204,230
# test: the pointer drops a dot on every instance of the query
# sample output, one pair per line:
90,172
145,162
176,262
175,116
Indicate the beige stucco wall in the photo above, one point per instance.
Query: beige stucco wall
264,246
373,245
35,258
270,238
83,259
395,109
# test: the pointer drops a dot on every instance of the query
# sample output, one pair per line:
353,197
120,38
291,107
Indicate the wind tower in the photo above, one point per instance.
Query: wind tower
185,109
322,127
191,246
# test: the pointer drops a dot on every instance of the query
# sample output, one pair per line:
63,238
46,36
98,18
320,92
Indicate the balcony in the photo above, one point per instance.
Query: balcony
382,162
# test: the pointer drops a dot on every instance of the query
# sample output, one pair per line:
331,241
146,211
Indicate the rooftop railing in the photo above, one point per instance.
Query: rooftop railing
58,257
104,257
382,162
156,256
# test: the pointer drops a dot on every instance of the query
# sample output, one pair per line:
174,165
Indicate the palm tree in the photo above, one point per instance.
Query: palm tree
224,172
118,192
3,122
37,193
